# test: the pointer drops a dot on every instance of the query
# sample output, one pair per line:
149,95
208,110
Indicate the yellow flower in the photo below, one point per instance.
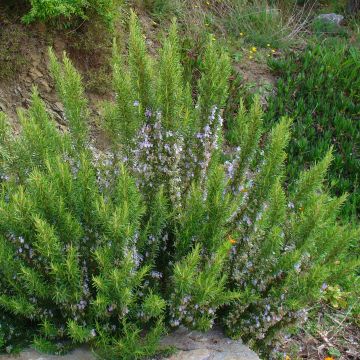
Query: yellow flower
232,241
254,49
241,34
273,51
251,57
329,358
287,357
207,3
268,45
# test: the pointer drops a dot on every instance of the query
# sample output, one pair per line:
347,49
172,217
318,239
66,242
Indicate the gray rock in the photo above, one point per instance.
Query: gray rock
78,354
198,354
35,73
190,345
58,106
331,18
212,345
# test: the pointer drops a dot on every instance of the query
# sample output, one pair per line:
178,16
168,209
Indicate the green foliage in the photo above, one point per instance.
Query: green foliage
70,89
168,226
45,10
213,85
336,297
323,28
82,253
75,258
195,284
170,96
133,345
14,334
328,117
160,7
140,64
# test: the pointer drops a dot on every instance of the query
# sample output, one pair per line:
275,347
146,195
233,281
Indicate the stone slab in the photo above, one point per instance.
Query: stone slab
30,354
190,345
213,345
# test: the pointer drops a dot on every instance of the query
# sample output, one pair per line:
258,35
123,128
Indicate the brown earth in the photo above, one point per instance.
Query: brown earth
88,45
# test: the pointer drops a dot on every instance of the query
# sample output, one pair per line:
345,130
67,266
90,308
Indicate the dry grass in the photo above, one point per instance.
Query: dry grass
280,25
332,333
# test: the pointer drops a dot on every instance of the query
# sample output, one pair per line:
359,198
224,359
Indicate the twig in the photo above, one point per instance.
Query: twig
77,28
324,337
343,320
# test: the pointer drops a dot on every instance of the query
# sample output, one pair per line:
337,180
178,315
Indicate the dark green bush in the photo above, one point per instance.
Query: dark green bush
320,90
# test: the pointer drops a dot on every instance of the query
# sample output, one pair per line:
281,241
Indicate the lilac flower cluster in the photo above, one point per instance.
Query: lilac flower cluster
164,157
4,177
269,311
156,158
131,251
24,249
209,141
184,310
74,164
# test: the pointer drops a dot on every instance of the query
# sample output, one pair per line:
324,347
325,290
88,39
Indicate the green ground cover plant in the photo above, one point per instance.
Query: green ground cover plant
170,225
320,90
